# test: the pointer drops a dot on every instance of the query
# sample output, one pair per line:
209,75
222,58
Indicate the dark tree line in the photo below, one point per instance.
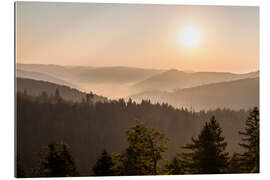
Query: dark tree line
206,154
45,119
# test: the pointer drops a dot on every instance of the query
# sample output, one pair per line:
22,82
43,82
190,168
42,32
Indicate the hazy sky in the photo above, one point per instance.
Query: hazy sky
147,36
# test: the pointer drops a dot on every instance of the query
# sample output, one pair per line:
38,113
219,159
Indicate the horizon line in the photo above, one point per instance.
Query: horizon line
136,67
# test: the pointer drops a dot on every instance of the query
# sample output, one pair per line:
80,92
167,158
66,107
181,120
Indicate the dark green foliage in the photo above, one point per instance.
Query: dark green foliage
174,167
89,128
105,166
207,152
250,158
146,148
56,161
19,172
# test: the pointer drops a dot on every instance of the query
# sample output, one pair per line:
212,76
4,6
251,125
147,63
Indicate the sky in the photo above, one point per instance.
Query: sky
222,38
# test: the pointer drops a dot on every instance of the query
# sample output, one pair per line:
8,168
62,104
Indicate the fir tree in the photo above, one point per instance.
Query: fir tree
56,161
105,165
250,158
207,154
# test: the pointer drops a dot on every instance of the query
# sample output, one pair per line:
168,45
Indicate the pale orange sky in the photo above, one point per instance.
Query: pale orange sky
146,36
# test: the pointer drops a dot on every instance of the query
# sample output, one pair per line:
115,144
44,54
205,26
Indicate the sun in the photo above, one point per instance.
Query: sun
190,37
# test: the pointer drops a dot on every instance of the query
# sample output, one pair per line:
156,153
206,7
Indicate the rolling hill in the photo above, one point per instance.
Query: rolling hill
236,94
113,75
41,76
119,82
36,87
175,79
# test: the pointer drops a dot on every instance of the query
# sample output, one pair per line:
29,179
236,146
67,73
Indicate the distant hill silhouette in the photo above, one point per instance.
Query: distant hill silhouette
174,79
36,87
41,76
236,94
88,74
119,82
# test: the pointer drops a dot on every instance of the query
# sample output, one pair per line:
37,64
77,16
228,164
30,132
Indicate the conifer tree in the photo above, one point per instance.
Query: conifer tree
146,148
105,166
207,152
56,161
250,158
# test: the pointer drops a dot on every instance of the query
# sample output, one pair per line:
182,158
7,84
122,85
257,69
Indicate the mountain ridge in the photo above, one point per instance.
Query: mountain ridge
237,94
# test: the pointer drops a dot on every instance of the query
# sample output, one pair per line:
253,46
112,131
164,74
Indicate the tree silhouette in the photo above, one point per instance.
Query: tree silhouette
104,165
56,161
250,158
207,154
146,148
74,121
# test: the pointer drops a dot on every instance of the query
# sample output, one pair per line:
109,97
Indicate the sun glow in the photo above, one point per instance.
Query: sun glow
190,37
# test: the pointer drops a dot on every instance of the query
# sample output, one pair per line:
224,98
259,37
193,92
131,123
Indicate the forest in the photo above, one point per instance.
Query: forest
57,138
109,89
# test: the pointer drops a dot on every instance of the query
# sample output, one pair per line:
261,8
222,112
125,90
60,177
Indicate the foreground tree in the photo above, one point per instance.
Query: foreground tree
250,158
146,148
207,152
56,161
105,165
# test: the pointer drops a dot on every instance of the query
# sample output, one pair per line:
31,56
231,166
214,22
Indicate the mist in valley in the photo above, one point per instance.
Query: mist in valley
136,89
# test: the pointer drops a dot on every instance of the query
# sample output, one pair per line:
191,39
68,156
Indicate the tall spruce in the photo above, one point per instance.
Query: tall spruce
206,154
250,157
105,165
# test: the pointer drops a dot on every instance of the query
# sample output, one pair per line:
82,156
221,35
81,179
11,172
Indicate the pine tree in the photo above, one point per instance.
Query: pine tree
105,166
207,154
146,148
56,161
250,158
